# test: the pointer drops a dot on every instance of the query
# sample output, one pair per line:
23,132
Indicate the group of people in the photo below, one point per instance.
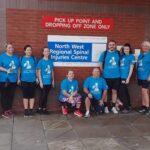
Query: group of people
26,72
113,75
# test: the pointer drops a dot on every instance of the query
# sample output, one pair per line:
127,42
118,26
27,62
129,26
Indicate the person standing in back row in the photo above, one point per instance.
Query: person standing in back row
127,62
9,65
143,69
45,71
27,78
109,66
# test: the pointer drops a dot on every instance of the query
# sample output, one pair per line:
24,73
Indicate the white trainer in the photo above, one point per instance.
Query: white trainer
106,110
87,115
114,110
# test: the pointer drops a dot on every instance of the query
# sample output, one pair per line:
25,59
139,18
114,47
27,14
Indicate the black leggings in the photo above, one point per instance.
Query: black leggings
44,96
124,94
7,95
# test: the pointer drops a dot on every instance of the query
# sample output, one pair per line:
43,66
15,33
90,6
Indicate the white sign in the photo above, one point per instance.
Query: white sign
76,51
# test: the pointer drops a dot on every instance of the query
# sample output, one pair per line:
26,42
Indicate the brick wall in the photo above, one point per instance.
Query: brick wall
24,27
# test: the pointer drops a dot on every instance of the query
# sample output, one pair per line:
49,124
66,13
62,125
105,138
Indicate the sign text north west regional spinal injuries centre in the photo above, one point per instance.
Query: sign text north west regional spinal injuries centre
76,50
77,23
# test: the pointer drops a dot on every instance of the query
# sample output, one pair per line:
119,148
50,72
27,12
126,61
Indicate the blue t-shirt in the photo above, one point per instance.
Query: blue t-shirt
144,66
28,68
11,63
125,62
68,86
95,86
111,66
46,67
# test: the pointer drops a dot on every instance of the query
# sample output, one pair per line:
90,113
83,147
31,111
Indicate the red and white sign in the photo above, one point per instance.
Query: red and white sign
77,23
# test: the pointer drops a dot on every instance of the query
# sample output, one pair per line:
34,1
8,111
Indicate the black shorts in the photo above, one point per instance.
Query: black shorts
113,83
28,89
144,83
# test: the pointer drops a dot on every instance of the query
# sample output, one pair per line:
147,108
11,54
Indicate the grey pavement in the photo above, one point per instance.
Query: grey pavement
57,132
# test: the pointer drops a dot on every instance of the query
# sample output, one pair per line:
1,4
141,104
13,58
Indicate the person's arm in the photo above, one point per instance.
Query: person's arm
86,91
3,69
101,67
130,74
53,79
104,95
66,94
19,73
40,77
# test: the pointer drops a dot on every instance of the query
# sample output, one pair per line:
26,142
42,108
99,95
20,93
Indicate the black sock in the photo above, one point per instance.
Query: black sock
105,104
113,104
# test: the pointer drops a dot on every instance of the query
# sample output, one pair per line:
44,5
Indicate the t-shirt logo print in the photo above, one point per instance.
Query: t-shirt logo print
27,65
122,62
112,61
48,70
71,89
140,63
95,87
12,65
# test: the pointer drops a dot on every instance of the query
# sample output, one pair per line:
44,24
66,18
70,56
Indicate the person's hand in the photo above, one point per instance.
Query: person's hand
90,95
53,84
41,85
37,81
18,82
71,99
149,78
101,103
127,81
9,71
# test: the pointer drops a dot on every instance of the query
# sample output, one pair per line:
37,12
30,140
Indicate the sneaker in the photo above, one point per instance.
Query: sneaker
26,113
87,115
114,110
45,112
30,113
142,109
78,113
147,112
11,114
64,110
5,115
39,111
106,110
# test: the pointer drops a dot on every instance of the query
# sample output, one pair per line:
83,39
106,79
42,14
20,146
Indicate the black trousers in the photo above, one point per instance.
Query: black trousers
124,94
44,96
7,95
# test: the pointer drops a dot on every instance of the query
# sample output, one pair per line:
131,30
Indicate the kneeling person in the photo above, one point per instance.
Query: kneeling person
95,88
69,94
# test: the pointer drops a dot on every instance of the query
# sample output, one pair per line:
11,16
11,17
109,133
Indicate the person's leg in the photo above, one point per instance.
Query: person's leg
87,106
47,88
10,96
109,84
2,92
77,101
64,107
32,88
145,94
25,89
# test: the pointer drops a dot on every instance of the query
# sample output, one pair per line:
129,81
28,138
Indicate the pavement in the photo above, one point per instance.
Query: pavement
57,132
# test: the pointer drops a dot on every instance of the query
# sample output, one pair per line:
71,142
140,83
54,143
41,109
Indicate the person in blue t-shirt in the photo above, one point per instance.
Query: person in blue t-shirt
45,69
9,65
143,71
27,78
69,94
109,66
95,88
127,62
